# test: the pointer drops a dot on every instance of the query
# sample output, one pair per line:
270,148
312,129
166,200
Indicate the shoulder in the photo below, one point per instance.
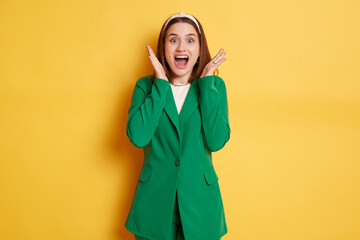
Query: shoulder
145,83
218,81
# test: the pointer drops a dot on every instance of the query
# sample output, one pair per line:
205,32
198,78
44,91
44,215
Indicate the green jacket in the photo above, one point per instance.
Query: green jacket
177,156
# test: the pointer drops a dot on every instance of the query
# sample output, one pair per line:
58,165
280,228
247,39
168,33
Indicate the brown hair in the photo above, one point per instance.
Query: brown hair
204,56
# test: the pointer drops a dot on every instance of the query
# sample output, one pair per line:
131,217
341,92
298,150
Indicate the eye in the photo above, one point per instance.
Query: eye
191,40
173,40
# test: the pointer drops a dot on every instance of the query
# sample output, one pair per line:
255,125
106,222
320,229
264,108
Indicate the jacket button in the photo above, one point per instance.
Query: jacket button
177,163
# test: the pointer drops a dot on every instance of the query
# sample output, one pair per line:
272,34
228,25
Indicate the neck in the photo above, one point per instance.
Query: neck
181,79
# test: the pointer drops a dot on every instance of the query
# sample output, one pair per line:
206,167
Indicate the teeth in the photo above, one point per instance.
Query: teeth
181,57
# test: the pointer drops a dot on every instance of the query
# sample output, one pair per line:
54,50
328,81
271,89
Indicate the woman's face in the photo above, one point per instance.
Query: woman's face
182,48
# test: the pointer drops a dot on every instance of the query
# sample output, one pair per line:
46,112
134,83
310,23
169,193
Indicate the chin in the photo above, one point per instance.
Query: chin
177,72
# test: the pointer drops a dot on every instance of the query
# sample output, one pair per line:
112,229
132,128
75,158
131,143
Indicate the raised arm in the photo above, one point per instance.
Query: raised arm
214,112
146,106
145,111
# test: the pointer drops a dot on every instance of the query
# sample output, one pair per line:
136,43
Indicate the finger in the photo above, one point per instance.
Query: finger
151,52
218,55
148,49
154,62
220,51
214,65
152,56
221,61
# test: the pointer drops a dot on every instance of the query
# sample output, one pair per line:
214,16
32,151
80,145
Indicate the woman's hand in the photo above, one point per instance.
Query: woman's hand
210,68
159,69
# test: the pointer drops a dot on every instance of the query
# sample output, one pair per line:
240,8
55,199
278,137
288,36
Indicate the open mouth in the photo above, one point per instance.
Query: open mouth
181,61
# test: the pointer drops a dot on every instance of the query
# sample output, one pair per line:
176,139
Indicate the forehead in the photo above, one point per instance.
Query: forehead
181,29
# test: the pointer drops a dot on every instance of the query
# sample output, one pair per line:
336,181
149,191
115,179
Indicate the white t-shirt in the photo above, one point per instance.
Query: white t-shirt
180,93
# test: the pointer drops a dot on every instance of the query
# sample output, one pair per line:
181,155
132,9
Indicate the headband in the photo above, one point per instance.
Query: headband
182,15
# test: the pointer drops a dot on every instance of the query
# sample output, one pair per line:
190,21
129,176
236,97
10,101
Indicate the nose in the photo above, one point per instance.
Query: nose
181,46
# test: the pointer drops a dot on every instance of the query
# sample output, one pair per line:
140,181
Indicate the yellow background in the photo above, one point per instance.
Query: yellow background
291,170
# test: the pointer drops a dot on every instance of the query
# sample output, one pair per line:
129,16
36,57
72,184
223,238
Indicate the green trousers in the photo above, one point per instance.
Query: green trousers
176,231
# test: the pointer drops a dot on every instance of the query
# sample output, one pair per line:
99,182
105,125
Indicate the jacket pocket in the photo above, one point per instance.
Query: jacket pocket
145,173
210,176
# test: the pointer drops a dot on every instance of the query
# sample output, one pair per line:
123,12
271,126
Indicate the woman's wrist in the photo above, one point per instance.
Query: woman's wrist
162,77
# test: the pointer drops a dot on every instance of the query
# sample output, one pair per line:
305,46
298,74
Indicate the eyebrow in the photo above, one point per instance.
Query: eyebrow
178,34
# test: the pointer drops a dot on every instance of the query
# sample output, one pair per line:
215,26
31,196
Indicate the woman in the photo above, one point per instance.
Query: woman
179,115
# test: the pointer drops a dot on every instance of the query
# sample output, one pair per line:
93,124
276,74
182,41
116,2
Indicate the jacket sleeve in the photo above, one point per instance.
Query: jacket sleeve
145,111
214,112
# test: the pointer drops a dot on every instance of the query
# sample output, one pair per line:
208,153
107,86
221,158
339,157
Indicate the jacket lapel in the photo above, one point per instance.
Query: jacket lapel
171,111
190,104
